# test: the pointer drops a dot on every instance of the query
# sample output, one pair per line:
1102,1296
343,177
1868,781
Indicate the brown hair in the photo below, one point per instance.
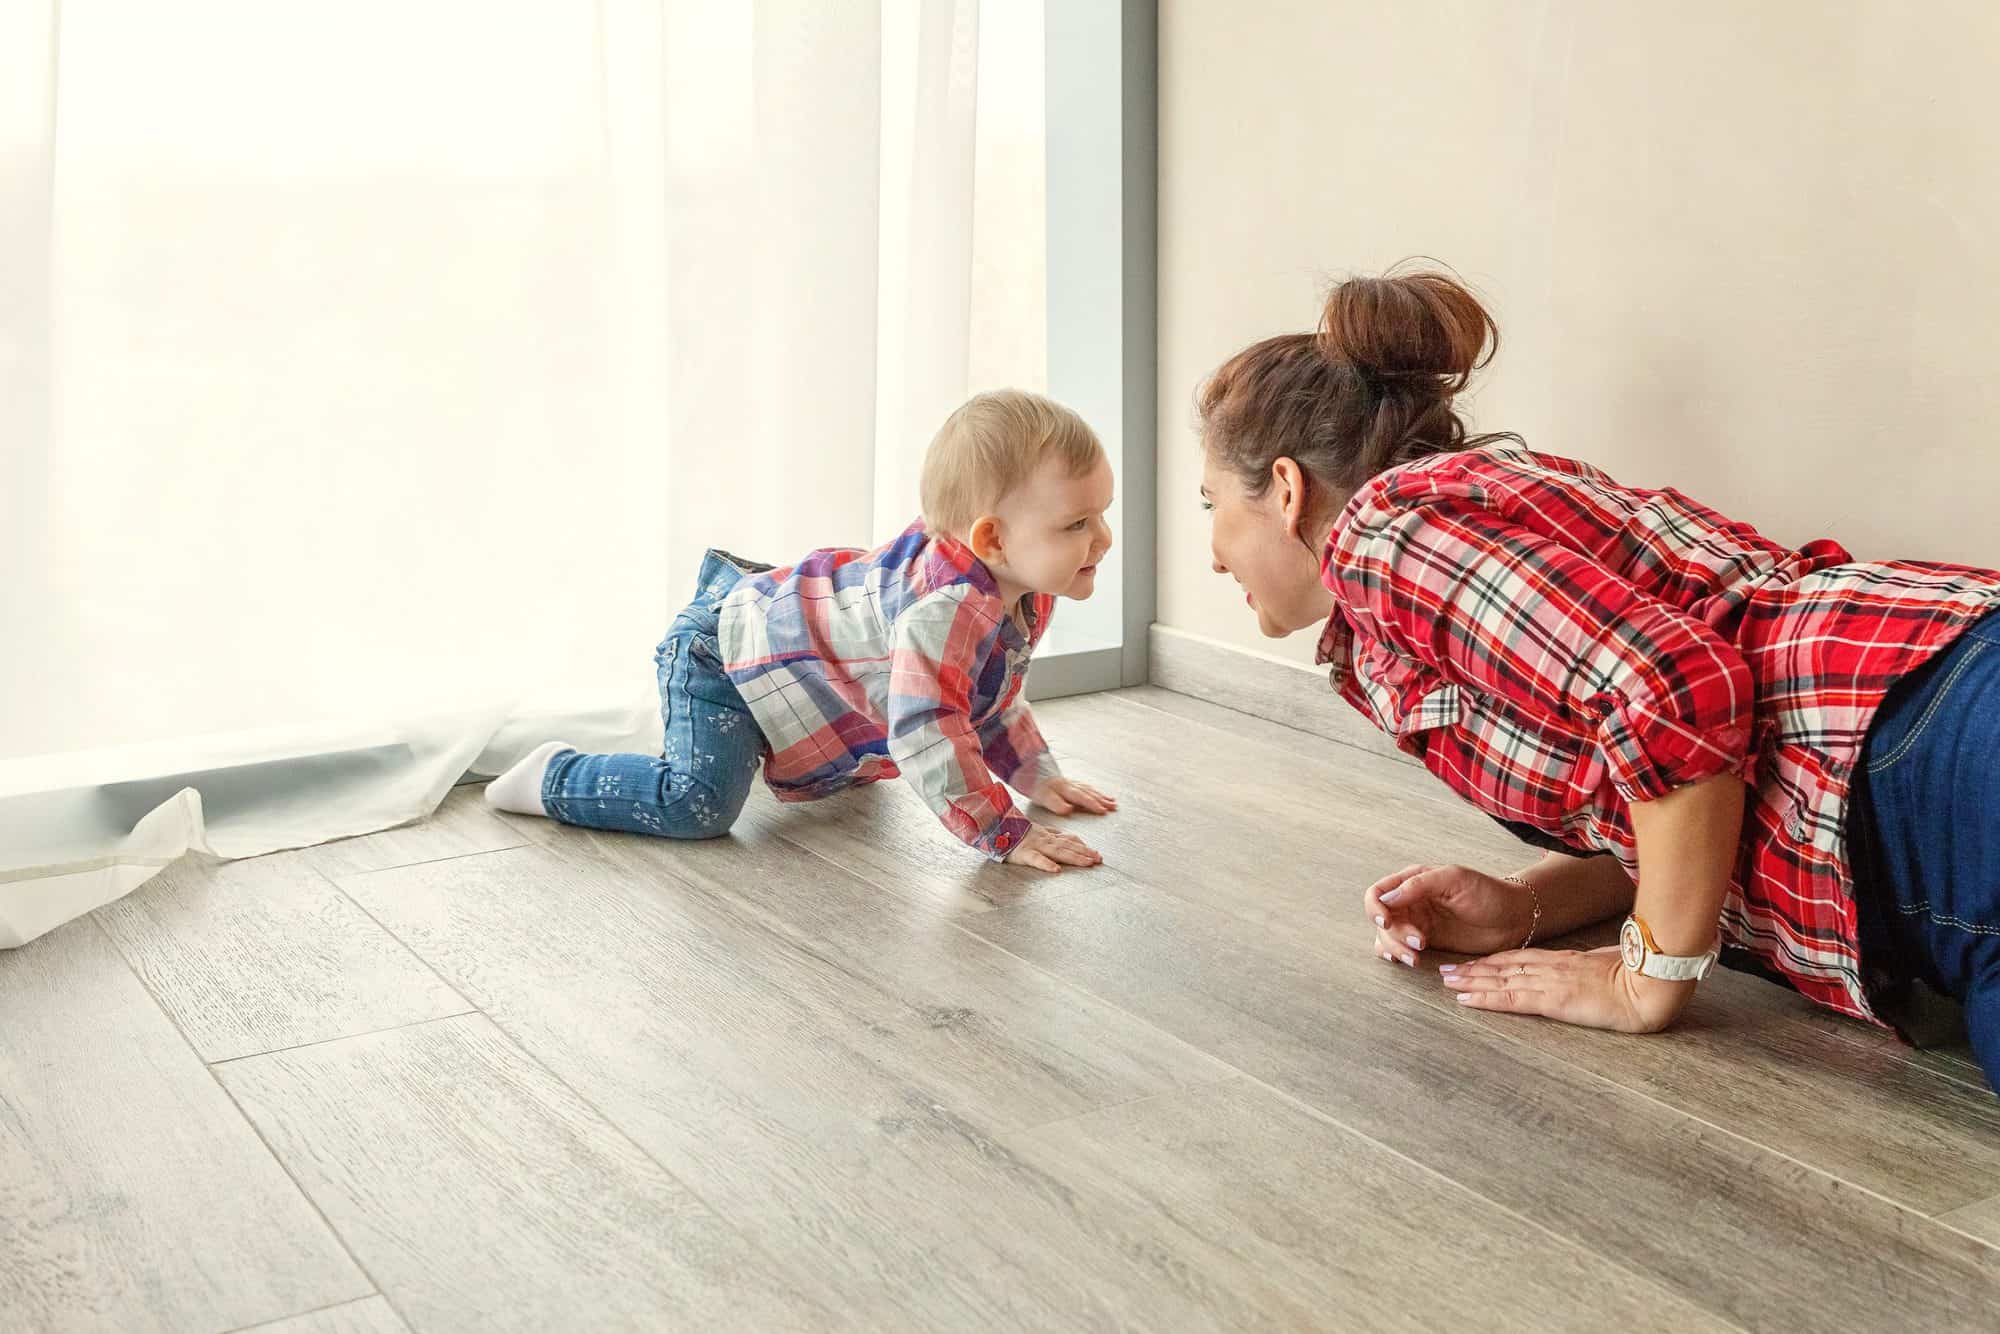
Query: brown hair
1371,390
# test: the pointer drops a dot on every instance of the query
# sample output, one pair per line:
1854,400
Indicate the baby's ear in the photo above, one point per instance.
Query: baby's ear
984,537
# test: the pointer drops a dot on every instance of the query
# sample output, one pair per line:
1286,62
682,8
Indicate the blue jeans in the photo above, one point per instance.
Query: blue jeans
696,788
1925,833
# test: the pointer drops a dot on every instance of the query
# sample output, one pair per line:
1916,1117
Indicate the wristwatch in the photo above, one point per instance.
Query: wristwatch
1642,955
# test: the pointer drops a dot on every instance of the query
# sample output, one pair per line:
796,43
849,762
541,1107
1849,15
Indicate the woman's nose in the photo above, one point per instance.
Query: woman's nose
1215,563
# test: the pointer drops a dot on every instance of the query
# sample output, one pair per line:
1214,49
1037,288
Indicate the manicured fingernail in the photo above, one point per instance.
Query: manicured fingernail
1465,998
1447,968
1380,920
1414,942
1390,897
1452,980
1409,961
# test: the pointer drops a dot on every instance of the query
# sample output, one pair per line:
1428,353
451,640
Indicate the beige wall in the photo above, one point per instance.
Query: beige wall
1749,249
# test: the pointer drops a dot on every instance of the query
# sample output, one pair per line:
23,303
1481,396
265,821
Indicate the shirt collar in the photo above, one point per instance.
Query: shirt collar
952,562
1336,647
1038,606
1336,639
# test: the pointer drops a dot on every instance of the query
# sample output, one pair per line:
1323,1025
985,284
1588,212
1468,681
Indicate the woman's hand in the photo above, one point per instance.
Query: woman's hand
1448,908
1065,796
1050,850
1592,988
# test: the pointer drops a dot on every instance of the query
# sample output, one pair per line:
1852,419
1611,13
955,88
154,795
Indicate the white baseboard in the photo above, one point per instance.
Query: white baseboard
1262,686
1078,673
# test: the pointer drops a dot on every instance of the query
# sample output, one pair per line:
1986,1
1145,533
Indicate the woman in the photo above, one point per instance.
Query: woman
1787,754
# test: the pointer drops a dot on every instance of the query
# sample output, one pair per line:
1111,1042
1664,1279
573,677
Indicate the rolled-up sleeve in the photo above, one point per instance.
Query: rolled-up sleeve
1495,606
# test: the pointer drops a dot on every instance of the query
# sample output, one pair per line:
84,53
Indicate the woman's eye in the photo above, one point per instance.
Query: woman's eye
1079,525
1208,507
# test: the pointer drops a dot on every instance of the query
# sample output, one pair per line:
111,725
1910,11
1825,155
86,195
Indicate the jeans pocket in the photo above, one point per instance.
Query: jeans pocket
1905,720
707,679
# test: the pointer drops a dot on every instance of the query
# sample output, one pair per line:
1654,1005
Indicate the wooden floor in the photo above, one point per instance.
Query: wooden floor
833,1073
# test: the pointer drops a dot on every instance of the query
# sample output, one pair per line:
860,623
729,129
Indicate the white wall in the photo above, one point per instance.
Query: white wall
1750,250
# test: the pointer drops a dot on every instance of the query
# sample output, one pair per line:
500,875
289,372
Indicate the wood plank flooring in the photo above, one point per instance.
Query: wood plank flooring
833,1073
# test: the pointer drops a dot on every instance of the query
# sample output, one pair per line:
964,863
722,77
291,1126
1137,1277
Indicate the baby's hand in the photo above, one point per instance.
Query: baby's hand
1048,849
1065,796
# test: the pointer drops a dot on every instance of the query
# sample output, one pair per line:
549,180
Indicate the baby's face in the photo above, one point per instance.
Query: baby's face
1053,532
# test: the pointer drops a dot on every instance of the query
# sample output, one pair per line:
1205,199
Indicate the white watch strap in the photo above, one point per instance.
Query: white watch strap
1678,967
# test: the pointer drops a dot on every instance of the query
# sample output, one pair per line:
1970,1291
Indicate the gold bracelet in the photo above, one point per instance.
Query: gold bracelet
1534,924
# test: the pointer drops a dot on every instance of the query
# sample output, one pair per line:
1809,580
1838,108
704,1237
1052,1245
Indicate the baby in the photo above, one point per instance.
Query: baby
854,666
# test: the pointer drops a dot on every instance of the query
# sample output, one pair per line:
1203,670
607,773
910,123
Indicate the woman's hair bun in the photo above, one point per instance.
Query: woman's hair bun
1422,326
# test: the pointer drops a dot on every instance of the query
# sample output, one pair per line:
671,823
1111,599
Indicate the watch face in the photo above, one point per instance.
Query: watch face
1632,945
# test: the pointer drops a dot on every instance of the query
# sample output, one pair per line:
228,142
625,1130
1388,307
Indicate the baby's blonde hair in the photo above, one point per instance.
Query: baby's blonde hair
993,444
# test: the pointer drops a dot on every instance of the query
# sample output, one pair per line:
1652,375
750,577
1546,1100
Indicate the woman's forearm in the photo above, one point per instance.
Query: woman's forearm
1575,892
1687,843
1687,850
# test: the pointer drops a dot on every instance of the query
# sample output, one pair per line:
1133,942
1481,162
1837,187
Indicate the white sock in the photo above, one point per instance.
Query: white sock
520,789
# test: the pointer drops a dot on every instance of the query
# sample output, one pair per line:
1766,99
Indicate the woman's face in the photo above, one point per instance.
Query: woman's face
1256,540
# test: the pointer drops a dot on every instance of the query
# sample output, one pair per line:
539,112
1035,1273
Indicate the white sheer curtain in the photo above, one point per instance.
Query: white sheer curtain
372,375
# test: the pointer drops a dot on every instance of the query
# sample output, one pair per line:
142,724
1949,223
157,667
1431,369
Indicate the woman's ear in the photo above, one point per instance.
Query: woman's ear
984,538
1288,489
